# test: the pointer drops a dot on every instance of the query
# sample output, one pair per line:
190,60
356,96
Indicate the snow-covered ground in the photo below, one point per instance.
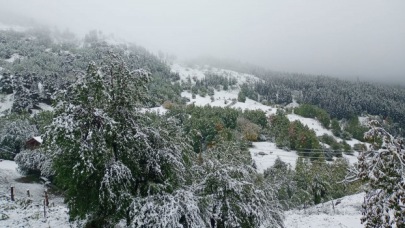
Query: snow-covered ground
222,97
14,57
271,153
186,72
45,107
22,212
347,214
312,124
6,103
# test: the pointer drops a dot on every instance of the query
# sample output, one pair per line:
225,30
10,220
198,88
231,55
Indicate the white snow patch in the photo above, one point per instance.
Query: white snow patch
186,72
7,104
8,165
352,158
158,110
312,124
293,104
363,120
14,57
45,107
40,87
347,214
272,152
220,97
38,138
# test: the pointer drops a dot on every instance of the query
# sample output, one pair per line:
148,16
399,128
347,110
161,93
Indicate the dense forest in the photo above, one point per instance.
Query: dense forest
340,98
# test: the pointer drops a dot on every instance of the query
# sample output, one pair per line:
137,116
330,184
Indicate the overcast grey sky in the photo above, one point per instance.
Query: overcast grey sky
363,38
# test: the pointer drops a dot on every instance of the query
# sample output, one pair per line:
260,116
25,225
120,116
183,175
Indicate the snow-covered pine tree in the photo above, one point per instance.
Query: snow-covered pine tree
383,172
112,163
231,192
280,177
304,182
6,84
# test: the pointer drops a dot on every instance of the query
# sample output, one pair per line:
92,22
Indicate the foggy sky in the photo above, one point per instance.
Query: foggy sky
339,38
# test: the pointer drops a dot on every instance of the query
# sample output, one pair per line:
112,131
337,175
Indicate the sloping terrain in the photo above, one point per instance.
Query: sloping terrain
346,214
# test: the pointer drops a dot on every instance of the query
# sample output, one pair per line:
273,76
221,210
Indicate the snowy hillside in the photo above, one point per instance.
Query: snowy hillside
186,72
347,214
229,99
269,154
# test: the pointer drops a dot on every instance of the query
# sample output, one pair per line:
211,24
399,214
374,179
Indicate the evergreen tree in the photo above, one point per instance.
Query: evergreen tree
383,173
112,164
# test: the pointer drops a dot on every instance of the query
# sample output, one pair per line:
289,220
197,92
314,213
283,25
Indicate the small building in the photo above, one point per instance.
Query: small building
33,143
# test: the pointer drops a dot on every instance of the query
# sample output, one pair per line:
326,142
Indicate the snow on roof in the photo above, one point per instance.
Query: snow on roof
38,139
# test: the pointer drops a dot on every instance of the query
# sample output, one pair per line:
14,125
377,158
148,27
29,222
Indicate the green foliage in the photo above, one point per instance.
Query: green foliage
248,91
163,89
325,138
206,121
256,116
105,154
15,131
230,183
310,183
42,120
336,129
281,175
382,172
312,111
294,135
355,129
241,97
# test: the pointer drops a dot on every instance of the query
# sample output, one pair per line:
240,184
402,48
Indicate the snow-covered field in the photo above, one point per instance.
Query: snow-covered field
347,214
271,153
27,211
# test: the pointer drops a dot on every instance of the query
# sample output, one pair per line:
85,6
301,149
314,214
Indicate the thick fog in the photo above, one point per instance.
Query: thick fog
363,39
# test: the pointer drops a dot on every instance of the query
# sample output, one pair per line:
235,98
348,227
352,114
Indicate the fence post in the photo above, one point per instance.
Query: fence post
44,210
46,198
12,193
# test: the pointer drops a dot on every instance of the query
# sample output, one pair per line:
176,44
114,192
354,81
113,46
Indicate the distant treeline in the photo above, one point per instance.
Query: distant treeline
340,98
